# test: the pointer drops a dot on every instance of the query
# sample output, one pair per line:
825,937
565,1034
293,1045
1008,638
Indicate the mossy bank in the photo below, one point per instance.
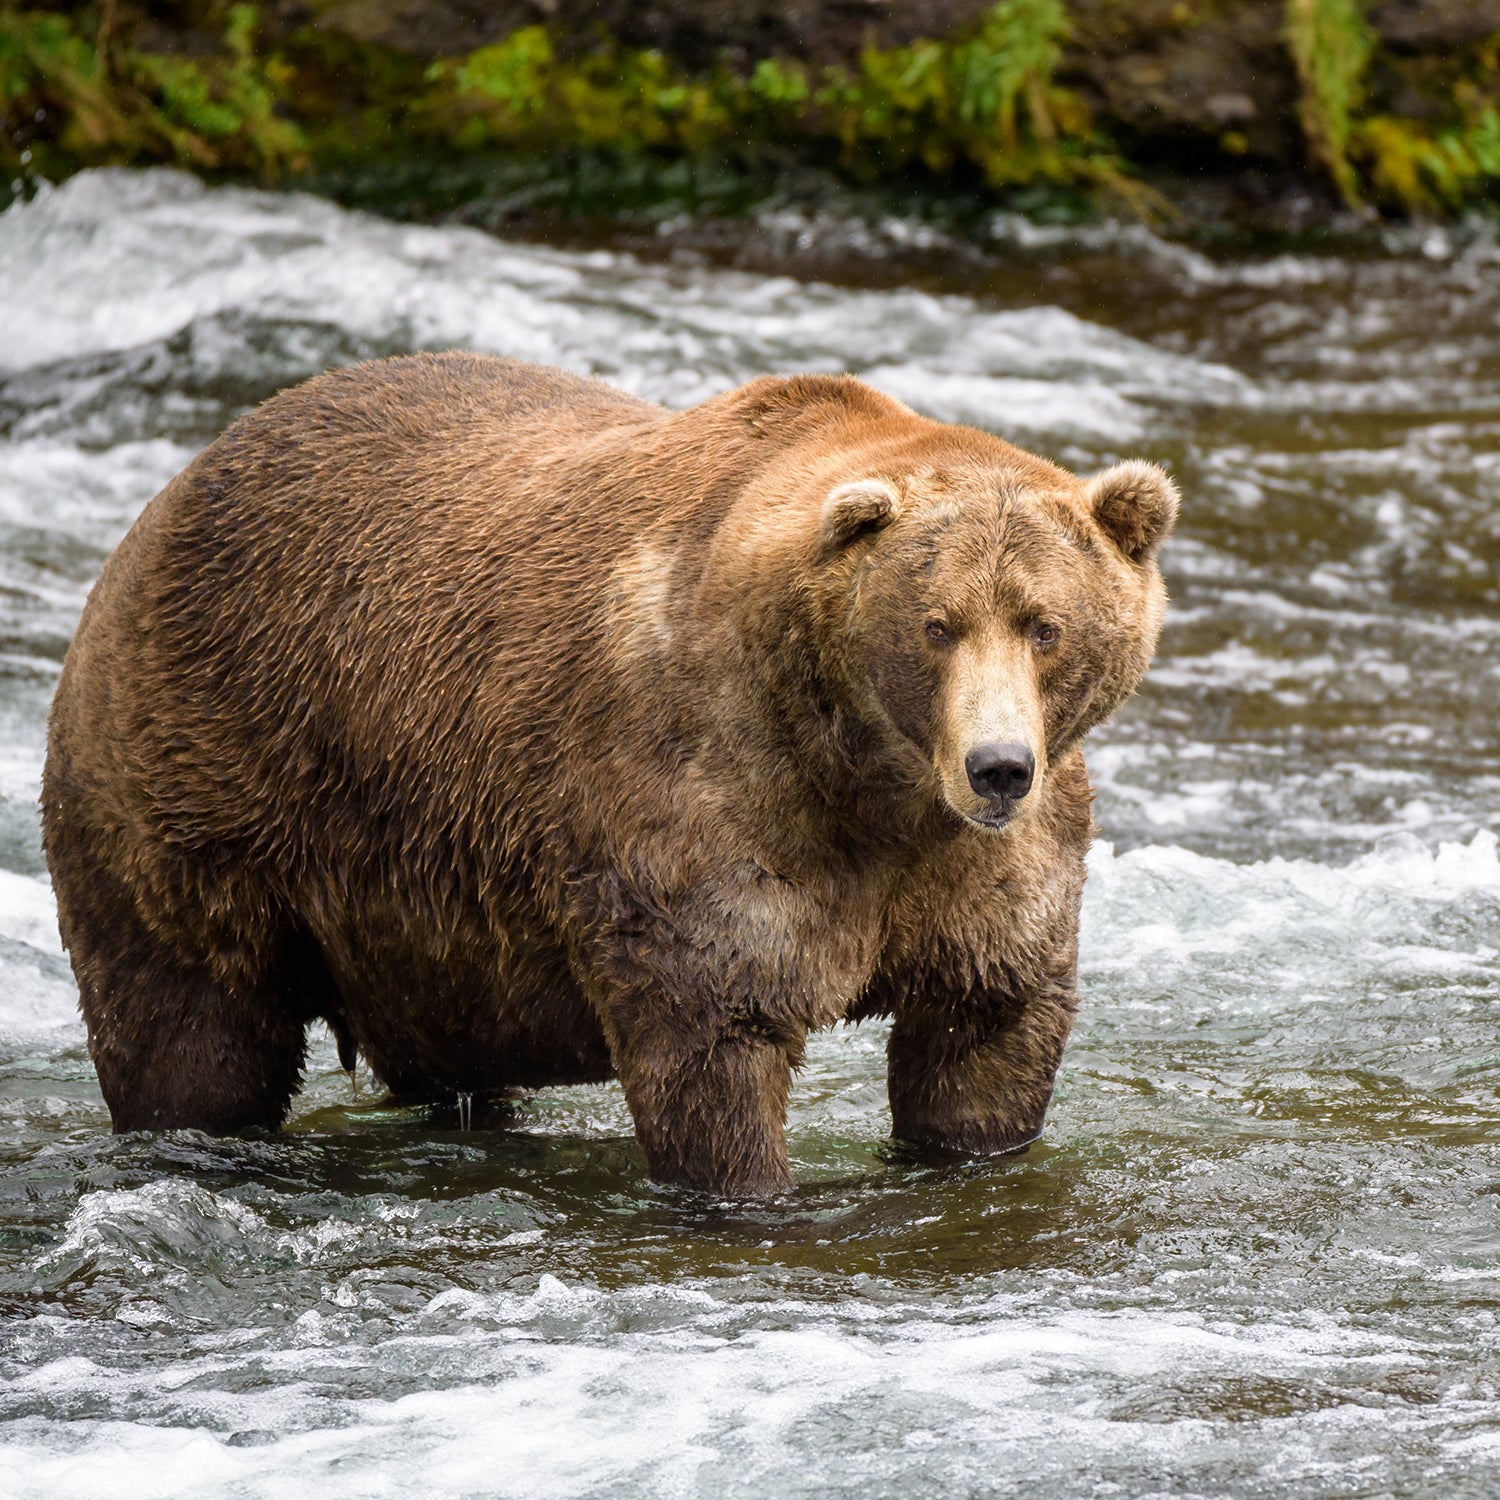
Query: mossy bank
1186,110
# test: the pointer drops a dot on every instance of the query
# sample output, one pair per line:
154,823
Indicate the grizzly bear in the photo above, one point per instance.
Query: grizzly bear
529,733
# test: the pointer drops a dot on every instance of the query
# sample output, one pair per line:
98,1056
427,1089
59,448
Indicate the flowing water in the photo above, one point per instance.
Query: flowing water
1259,1250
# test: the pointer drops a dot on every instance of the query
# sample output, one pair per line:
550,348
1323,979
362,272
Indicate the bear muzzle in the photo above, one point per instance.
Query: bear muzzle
1002,773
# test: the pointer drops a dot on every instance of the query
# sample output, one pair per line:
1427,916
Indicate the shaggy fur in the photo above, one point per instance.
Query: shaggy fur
530,733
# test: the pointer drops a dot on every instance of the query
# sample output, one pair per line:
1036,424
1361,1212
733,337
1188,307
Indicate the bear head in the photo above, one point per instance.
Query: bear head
975,610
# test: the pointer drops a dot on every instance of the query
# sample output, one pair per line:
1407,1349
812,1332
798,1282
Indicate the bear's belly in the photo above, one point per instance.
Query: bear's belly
433,1024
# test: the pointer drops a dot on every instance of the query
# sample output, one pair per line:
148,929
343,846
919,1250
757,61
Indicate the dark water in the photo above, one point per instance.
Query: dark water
1259,1253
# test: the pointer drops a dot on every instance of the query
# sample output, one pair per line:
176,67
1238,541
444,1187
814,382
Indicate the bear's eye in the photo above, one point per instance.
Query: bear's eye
939,632
1045,635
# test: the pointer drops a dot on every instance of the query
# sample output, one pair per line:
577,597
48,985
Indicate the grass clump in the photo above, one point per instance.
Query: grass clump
1385,160
1331,45
1012,59
519,92
69,99
226,109
1417,167
48,71
981,109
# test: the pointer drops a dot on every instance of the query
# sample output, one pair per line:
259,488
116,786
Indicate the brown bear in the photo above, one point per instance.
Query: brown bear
531,733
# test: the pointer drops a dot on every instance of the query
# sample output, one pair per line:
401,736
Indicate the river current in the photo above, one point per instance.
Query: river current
1258,1252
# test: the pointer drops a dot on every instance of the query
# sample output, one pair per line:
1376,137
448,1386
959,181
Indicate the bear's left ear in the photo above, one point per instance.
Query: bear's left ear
1134,505
859,507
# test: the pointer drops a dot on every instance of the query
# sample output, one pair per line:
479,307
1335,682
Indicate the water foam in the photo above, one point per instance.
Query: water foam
183,256
1161,901
910,1407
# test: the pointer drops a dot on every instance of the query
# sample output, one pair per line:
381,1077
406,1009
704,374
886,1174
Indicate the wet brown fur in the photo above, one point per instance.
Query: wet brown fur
531,733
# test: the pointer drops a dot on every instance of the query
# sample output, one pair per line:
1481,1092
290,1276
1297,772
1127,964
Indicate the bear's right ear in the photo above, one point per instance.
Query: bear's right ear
858,508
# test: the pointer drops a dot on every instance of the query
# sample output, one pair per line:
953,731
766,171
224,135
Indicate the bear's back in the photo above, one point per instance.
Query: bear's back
315,601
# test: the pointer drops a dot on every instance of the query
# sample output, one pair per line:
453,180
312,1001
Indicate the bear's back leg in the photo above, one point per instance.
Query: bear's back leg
174,1045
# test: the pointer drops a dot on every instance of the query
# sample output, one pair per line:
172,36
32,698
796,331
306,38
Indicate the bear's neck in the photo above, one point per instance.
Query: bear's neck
827,775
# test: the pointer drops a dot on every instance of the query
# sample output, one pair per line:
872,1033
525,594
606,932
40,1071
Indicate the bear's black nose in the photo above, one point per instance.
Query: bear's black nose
1000,772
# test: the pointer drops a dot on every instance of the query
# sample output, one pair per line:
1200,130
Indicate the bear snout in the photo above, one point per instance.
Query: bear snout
1001,773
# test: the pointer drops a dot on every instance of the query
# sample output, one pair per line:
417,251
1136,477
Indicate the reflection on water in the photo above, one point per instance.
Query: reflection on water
1259,1252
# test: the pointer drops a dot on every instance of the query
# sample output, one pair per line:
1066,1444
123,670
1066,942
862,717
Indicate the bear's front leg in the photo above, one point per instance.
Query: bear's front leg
709,1101
701,1016
971,1069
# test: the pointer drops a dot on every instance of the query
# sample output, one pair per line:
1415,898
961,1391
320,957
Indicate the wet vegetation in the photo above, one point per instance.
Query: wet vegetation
1060,105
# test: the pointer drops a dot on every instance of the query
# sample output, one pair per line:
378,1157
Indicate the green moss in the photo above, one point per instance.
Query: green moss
984,107
980,114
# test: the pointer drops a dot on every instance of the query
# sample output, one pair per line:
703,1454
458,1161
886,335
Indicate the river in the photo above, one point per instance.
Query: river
1258,1252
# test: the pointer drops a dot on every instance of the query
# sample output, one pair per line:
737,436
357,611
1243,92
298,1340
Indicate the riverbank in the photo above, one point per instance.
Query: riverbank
1209,115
